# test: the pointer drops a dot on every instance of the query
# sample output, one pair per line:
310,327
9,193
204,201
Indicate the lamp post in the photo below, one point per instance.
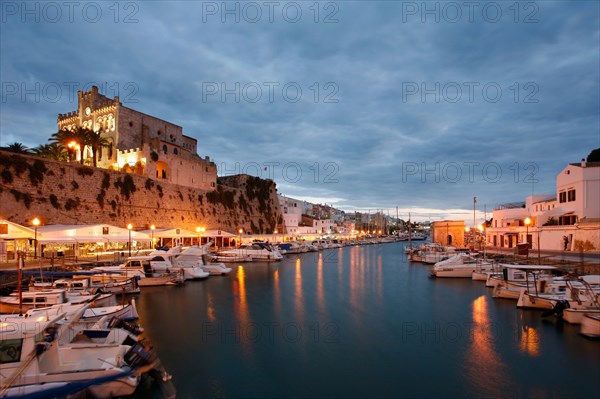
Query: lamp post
129,227
36,223
240,231
527,223
152,231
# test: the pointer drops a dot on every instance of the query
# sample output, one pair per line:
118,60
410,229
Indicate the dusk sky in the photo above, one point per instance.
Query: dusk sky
359,104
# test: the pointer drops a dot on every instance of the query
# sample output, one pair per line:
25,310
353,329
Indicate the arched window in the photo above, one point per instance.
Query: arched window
165,148
175,151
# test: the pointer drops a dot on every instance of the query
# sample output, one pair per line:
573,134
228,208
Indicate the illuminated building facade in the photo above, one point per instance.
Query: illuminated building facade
140,143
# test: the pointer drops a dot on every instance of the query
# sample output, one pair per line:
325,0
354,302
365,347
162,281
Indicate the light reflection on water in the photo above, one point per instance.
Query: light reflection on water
485,366
371,325
299,295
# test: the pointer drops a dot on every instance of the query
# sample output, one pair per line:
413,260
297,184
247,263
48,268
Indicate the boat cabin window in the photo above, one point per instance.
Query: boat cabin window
133,263
10,350
158,259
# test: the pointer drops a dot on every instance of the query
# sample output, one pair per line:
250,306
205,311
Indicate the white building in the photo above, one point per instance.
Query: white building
291,210
566,220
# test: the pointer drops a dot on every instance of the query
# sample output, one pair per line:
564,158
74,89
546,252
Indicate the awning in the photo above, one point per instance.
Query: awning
218,233
14,231
88,233
170,233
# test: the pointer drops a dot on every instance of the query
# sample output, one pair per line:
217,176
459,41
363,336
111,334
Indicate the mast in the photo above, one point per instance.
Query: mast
409,232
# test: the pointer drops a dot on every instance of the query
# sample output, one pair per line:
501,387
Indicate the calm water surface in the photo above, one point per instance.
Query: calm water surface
359,322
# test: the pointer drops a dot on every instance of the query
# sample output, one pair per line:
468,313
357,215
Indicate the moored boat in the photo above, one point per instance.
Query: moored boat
590,326
26,300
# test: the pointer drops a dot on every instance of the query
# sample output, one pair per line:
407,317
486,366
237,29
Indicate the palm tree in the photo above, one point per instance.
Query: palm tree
66,139
96,141
53,151
71,139
18,148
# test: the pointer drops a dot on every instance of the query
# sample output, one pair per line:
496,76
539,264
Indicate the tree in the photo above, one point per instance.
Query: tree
594,156
67,139
53,151
18,148
96,142
72,139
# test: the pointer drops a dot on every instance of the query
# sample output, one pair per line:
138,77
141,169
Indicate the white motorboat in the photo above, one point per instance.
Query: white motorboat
91,314
189,267
431,253
199,257
109,283
15,302
460,265
590,326
231,258
257,251
33,360
148,271
292,247
546,294
576,315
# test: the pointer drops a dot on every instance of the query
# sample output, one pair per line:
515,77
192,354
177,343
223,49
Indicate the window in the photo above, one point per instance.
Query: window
567,220
562,197
175,151
571,195
165,148
11,350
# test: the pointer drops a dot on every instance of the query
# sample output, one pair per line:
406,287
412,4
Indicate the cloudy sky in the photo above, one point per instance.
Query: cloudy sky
359,104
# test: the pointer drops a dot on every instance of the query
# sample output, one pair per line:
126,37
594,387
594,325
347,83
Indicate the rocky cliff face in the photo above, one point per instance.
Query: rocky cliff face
68,193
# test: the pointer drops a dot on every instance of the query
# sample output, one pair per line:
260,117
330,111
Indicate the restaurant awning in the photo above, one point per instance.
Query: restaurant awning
170,233
87,233
218,233
14,231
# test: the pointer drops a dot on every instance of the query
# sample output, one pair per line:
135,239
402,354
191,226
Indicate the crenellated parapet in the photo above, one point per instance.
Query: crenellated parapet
69,115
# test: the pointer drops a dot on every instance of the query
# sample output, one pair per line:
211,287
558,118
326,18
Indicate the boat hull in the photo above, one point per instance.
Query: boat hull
590,326
576,316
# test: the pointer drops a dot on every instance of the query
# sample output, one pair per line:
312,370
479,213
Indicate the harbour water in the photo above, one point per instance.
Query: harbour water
359,322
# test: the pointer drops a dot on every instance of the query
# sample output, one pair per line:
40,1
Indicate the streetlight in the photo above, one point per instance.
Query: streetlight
129,227
36,223
275,233
152,231
482,240
240,231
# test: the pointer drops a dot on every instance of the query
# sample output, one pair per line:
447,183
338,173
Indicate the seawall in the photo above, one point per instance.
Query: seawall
69,193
